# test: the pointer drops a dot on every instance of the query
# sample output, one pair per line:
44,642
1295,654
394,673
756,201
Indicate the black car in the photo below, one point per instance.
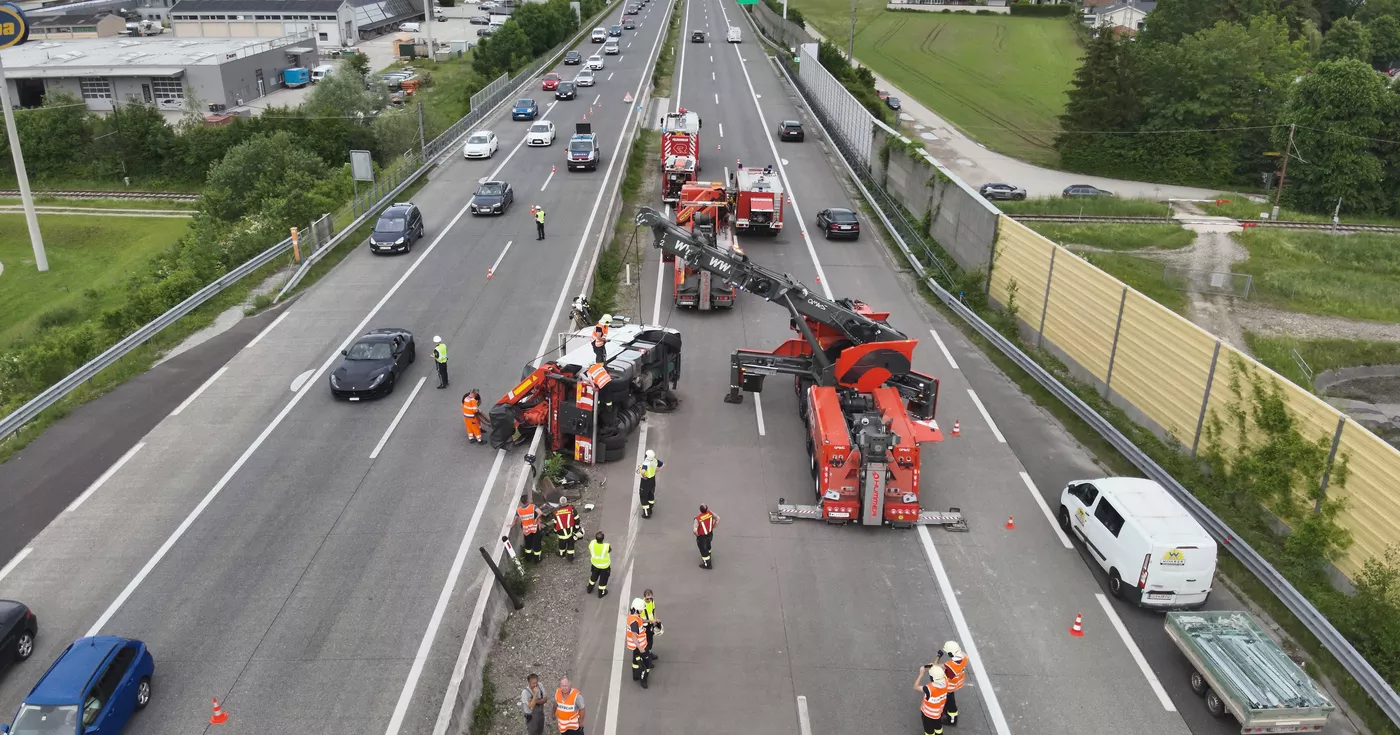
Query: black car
838,222
373,364
480,20
615,31
893,102
791,130
1009,192
492,197
629,25
1084,190
565,91
397,229
697,37
573,58
18,627
632,10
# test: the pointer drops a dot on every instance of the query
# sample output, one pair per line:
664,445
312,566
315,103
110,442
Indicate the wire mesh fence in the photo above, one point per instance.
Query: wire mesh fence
1218,283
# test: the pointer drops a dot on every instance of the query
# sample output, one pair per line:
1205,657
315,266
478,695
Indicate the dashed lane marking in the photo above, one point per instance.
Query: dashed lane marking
1045,508
397,418
100,481
1135,652
186,403
986,416
944,348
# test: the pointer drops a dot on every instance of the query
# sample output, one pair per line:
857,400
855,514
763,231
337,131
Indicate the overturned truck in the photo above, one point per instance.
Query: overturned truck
587,408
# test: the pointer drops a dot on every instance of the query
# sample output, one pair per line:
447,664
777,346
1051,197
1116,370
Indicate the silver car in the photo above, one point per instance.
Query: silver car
1007,192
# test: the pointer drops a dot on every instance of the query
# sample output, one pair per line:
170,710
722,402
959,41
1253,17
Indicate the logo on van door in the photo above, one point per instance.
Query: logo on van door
1081,514
1173,558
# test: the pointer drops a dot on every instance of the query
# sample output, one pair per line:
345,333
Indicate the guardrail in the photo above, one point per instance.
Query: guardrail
1188,220
436,148
1370,680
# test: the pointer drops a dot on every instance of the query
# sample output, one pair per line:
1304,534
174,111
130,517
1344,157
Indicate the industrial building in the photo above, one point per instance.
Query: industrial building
76,25
335,23
176,75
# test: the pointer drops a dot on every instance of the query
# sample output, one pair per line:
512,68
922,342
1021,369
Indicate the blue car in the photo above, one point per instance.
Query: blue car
525,109
92,689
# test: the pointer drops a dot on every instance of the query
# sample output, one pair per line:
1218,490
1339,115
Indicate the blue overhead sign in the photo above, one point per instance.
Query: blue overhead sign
14,29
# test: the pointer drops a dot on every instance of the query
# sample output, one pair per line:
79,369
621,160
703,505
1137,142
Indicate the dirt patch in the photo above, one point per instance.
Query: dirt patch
1378,389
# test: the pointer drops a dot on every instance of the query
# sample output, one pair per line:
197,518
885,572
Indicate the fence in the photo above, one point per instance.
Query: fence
1170,375
1220,283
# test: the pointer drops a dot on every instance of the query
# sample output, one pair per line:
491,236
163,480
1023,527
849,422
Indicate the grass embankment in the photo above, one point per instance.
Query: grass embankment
1143,275
1237,207
50,201
1319,354
447,98
627,247
1088,207
1116,236
1352,276
666,60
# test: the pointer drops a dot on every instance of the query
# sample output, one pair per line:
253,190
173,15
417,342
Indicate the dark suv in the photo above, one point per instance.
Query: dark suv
791,130
397,229
1085,190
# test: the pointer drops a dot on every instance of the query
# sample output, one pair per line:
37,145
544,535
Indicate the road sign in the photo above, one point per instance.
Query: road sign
14,29
361,166
748,2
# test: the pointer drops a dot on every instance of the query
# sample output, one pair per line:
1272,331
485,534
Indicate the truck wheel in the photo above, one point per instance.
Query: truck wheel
1064,519
1115,584
1214,705
1198,683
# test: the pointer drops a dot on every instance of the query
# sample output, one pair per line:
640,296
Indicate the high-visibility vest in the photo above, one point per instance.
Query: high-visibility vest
539,215
704,524
565,709
564,520
956,671
469,406
636,635
600,336
934,698
648,468
529,519
440,353
649,610
600,553
598,374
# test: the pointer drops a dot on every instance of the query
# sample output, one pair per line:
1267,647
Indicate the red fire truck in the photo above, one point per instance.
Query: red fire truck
680,152
758,200
692,286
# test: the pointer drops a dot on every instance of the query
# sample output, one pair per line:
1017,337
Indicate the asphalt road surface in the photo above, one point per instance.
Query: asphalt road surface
293,555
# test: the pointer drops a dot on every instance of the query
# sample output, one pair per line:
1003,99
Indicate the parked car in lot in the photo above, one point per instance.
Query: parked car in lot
524,109
893,103
94,688
540,133
18,628
481,144
398,228
791,130
839,222
373,364
697,37
484,32
566,91
492,197
480,20
573,58
550,82
1008,192
1084,190
488,5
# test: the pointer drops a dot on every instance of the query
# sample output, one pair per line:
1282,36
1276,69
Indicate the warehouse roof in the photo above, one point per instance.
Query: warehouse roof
125,57
68,20
257,6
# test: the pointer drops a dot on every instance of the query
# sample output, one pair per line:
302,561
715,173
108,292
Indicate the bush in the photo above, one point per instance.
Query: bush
1042,11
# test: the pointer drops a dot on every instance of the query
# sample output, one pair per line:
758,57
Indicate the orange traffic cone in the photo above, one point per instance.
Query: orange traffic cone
1011,523
957,428
490,272
220,716
553,170
1077,630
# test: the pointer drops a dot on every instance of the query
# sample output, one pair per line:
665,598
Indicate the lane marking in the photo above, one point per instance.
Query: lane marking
500,257
10,567
267,329
661,278
620,58
946,354
300,381
712,59
804,722
1135,652
712,76
595,99
102,480
721,130
186,403
547,179
989,695
986,416
1045,508
680,72
610,76
758,411
397,418
716,97
613,693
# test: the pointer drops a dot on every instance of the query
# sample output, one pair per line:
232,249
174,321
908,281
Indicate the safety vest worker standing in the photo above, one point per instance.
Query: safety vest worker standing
934,695
568,708
647,487
653,625
955,668
600,555
637,643
600,338
440,357
565,528
539,222
471,416
704,529
529,517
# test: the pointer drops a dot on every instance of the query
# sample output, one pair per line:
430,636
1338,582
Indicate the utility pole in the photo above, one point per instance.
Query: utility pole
851,47
422,141
428,21
26,197
784,9
1288,151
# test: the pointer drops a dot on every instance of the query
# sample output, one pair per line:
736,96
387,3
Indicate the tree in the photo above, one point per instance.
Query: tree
55,138
272,175
1101,100
1345,40
1384,34
1337,111
146,143
357,62
502,52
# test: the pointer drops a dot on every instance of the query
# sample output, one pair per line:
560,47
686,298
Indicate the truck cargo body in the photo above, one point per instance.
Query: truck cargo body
758,201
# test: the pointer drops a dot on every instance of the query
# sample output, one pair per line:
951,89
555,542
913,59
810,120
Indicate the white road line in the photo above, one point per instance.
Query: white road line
989,695
610,76
397,418
500,257
712,76
547,179
680,71
595,99
102,480
758,411
10,567
267,329
946,354
716,97
629,44
986,416
712,59
804,721
1136,654
186,403
1044,508
613,692
661,279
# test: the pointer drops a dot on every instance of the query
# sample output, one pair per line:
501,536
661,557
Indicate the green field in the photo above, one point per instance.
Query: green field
1001,80
1087,206
1354,276
1116,236
1142,274
89,258
1320,354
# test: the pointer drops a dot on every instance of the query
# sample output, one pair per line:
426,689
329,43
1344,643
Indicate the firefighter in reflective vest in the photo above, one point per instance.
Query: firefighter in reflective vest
530,527
933,694
471,416
600,338
653,625
637,643
704,529
568,708
440,357
955,668
600,554
539,221
565,528
647,488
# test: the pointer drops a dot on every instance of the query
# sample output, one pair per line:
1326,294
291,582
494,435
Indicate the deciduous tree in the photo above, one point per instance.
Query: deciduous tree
1346,39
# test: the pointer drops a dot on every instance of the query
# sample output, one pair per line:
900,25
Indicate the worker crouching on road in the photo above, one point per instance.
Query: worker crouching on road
934,694
471,416
529,517
955,669
600,555
637,643
704,529
647,488
566,528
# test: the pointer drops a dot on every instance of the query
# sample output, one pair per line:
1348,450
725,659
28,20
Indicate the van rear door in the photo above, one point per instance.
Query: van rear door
1179,573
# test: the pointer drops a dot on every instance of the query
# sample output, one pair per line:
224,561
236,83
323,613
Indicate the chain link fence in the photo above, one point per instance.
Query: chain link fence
1218,283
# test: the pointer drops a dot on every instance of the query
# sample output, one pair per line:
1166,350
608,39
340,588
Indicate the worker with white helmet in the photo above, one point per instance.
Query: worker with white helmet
934,697
637,642
955,669
647,488
538,211
600,338
440,357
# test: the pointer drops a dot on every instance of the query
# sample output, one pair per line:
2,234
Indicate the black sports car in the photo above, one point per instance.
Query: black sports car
373,364
18,627
839,222
492,197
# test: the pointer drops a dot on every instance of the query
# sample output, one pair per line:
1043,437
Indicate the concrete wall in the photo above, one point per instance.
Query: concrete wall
238,78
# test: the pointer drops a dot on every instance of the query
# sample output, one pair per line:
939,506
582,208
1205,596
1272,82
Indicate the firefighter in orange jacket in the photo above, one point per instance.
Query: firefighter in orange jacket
934,696
704,529
529,517
471,416
565,528
955,669
600,338
637,642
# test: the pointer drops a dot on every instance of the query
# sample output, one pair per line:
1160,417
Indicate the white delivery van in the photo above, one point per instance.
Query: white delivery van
1155,553
735,35
321,72
410,28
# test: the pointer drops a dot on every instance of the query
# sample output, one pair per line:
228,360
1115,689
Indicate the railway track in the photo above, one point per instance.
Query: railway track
1284,224
164,196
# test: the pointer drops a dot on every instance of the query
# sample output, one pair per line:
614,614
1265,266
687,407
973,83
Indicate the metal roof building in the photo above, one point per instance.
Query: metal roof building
332,22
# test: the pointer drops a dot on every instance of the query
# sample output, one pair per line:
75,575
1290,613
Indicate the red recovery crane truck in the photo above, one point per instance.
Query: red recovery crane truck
697,287
757,196
680,152
868,415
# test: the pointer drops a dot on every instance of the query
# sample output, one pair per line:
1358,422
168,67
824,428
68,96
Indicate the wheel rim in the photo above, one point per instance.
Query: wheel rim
1115,585
143,692
26,645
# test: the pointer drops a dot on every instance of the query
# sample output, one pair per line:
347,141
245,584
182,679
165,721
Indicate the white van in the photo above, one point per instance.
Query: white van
1155,553
735,35
321,72
410,28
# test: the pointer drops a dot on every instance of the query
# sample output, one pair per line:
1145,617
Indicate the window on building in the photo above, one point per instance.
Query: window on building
167,88
84,29
95,88
323,36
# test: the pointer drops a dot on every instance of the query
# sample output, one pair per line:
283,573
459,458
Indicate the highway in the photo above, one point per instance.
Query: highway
306,560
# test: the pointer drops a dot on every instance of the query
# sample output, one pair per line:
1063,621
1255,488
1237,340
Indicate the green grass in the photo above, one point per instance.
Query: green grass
1319,354
1353,276
101,203
1237,207
1142,274
8,181
89,257
1001,80
1087,206
1116,236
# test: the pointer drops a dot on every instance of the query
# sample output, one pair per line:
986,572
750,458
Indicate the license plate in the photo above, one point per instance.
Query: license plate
1159,595
837,514
1286,728
354,398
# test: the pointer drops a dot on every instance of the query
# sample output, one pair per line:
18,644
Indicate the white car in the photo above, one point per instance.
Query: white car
610,48
541,133
584,78
595,62
600,34
487,6
481,144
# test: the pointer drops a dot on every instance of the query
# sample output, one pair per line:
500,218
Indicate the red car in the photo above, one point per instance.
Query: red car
551,82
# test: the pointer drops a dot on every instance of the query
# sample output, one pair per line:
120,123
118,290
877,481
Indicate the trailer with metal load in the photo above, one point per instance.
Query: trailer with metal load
1239,669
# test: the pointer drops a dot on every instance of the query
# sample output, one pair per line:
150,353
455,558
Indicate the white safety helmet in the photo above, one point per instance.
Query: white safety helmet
952,648
563,501
607,319
651,454
437,340
638,605
936,675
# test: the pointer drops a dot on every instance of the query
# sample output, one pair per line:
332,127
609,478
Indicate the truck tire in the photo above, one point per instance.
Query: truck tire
1214,704
1064,519
1198,683
1115,584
